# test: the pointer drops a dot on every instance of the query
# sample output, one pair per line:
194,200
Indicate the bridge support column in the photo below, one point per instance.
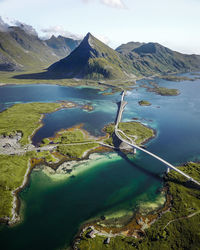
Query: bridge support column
135,150
168,169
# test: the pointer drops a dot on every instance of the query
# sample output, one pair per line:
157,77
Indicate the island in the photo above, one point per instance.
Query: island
154,87
164,91
88,107
144,103
138,132
176,78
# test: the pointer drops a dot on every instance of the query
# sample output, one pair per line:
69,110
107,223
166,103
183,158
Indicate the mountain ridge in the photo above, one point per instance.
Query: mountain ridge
94,60
90,58
21,51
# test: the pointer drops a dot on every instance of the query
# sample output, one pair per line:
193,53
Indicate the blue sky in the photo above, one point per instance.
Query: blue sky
173,23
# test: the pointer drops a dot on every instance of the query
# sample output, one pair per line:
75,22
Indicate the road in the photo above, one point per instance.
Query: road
131,143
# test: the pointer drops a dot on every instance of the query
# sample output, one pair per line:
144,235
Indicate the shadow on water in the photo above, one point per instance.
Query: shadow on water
117,142
139,167
46,75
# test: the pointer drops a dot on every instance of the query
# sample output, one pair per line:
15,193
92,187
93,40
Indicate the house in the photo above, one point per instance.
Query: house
107,241
91,234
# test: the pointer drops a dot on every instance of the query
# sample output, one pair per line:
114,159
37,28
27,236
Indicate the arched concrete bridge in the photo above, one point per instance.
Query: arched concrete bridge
124,138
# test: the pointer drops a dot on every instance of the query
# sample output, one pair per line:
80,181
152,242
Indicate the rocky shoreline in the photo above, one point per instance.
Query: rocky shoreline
135,228
15,207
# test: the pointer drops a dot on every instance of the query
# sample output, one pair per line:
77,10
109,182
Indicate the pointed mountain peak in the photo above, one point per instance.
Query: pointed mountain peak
88,37
88,40
91,59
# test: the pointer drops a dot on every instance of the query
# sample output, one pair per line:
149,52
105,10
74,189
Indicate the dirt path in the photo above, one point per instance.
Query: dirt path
185,217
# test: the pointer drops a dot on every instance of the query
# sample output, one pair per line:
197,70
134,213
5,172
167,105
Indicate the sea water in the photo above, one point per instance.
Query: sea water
110,184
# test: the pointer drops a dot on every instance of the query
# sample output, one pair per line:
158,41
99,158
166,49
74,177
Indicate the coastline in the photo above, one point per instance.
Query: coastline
16,203
134,228
86,83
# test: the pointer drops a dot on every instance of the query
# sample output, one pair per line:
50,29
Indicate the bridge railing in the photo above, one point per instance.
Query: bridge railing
132,144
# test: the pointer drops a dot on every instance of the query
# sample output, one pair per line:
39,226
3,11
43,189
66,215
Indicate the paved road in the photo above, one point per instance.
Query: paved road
18,150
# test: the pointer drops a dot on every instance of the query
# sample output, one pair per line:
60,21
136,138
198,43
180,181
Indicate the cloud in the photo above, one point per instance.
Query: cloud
111,3
11,22
3,25
27,28
114,3
58,30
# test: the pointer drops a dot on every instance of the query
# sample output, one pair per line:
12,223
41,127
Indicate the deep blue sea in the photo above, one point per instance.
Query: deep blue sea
54,209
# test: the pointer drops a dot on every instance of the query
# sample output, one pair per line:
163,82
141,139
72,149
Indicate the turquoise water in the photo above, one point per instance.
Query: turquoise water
53,210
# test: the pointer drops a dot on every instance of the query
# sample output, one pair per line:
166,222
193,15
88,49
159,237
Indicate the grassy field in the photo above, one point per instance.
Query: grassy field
24,118
74,136
116,85
71,136
9,78
12,171
49,158
117,243
177,229
135,130
76,151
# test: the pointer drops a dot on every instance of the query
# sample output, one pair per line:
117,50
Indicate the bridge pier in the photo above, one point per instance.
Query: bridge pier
134,150
130,142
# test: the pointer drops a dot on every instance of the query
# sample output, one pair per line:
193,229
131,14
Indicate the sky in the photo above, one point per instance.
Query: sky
172,23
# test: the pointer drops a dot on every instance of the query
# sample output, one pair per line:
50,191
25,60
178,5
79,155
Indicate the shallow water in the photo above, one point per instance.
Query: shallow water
54,210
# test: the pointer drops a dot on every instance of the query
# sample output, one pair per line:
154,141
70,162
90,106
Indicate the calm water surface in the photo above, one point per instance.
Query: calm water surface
54,210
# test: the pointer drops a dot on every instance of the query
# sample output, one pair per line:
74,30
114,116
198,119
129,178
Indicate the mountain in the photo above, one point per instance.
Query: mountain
62,46
128,47
92,59
153,58
89,59
20,50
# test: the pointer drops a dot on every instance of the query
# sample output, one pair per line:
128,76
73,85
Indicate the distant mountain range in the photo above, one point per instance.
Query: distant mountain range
62,46
89,58
153,58
20,50
94,60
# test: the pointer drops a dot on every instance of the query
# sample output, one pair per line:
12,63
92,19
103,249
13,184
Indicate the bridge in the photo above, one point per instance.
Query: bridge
124,138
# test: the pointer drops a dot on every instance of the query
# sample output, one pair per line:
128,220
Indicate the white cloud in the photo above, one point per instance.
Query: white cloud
3,25
58,30
27,28
12,22
114,3
110,3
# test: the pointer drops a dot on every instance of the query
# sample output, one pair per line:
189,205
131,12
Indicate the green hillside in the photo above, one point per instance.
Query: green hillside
153,58
128,47
95,60
92,60
22,51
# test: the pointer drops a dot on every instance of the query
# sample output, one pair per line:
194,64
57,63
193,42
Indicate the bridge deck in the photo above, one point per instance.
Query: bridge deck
130,142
